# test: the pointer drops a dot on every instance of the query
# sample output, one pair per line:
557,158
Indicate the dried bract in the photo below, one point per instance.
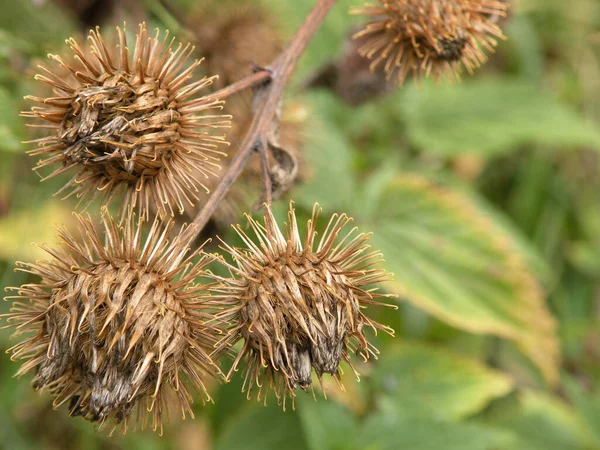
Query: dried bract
298,308
116,327
429,37
133,123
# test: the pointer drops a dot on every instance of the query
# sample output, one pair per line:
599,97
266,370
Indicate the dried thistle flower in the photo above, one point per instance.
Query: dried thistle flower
113,325
130,123
298,308
429,37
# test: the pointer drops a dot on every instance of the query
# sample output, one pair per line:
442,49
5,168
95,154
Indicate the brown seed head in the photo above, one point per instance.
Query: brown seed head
130,122
299,308
429,37
112,325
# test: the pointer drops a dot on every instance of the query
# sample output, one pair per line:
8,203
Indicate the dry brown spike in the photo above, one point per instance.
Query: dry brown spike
298,308
116,325
429,38
133,122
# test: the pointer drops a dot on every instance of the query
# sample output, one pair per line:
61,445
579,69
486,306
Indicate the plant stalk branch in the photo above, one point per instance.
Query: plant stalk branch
260,77
267,99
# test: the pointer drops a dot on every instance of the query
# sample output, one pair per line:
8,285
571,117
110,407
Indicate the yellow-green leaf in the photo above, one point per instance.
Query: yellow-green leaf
389,432
489,117
19,229
543,422
437,383
450,259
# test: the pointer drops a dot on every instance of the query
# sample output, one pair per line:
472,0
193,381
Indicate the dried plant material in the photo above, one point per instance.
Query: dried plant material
297,308
117,326
288,165
235,37
131,123
430,38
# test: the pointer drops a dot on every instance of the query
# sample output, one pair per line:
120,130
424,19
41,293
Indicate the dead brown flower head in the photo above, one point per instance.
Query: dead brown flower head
116,326
298,308
130,122
429,37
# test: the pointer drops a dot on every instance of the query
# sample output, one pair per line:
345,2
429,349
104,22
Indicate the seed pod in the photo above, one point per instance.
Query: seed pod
112,326
298,308
131,123
429,37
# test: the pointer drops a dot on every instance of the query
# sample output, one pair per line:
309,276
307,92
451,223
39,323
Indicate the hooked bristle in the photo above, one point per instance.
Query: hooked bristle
299,309
116,325
429,38
130,121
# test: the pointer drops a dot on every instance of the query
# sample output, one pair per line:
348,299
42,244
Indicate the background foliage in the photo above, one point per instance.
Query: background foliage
483,197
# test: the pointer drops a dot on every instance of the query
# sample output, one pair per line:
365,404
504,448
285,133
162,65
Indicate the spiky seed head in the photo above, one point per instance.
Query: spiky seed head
299,306
130,122
430,38
115,326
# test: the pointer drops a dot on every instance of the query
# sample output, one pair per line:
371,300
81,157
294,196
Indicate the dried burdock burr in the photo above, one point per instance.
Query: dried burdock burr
429,38
116,326
299,306
135,123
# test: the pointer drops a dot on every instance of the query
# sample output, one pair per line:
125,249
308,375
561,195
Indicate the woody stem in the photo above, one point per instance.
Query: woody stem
257,78
267,98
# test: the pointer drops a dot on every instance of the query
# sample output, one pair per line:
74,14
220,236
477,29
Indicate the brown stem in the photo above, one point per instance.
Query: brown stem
265,174
267,99
260,77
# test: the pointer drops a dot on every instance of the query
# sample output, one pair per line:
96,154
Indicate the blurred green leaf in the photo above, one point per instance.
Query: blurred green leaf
587,405
489,117
263,428
327,425
22,227
452,260
11,126
328,154
387,432
423,381
545,423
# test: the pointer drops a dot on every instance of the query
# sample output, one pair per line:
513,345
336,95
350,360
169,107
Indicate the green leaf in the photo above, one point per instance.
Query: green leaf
327,425
489,117
423,381
588,407
20,228
452,260
11,126
545,423
265,429
329,156
385,431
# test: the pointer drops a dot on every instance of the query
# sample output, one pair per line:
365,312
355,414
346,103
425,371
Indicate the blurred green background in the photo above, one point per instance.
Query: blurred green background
484,197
